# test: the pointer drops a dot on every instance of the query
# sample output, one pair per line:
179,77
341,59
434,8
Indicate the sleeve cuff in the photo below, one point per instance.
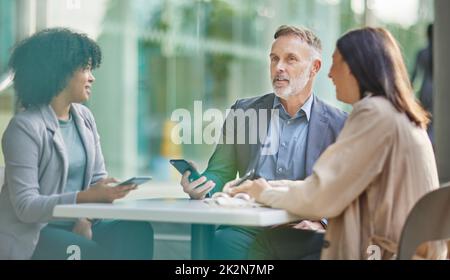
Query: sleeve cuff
68,198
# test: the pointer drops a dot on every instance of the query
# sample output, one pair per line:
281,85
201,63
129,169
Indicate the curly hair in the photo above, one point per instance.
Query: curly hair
44,63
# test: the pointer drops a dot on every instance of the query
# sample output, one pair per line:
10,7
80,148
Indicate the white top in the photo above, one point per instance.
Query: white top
176,211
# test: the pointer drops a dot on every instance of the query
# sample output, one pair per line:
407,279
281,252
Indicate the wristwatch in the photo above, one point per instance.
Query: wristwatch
324,223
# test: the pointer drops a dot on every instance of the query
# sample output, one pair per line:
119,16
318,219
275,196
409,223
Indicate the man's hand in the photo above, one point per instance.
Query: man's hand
310,225
83,227
195,189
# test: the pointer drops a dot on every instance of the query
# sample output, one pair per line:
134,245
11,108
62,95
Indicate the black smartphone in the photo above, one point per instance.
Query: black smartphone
182,166
135,181
249,175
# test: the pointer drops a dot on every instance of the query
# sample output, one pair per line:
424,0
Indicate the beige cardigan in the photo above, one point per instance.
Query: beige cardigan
366,183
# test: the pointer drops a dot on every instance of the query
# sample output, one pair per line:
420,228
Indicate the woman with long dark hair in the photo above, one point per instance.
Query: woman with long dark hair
381,164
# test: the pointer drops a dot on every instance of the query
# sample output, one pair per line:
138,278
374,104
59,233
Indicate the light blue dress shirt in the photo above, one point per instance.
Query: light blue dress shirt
289,160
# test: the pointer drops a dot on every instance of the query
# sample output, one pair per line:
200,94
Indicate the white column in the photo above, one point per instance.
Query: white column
114,100
25,18
369,16
41,14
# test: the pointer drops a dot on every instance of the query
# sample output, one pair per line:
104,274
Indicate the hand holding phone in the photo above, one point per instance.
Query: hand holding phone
183,165
196,186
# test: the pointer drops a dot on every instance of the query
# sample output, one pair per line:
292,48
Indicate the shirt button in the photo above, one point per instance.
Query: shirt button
283,144
288,122
280,169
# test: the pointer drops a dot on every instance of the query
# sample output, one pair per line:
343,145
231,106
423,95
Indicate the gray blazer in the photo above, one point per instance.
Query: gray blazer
228,159
36,168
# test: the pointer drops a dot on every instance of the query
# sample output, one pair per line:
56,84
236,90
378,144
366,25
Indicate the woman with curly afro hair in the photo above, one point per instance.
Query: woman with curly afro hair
53,156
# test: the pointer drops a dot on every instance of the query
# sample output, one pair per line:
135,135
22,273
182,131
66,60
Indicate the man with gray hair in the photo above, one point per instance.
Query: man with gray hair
305,128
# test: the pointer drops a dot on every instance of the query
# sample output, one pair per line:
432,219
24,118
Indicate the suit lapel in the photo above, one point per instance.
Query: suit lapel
255,150
51,122
61,149
316,139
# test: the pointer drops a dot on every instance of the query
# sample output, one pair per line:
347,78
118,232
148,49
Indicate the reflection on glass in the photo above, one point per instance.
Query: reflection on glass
162,55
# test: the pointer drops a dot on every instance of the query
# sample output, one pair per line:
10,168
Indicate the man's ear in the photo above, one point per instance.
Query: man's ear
316,65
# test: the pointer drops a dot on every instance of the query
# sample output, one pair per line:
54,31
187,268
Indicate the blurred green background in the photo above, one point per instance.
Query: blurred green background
161,55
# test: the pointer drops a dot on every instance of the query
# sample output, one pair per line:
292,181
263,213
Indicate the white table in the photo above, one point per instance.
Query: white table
202,216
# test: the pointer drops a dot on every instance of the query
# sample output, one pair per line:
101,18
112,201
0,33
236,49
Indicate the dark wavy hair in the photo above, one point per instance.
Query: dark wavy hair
44,63
376,61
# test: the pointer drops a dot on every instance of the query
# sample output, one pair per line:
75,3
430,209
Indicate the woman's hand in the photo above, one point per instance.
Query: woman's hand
228,186
253,188
310,225
284,183
83,227
101,192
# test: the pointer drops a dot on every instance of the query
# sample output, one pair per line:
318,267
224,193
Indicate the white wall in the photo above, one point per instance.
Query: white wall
82,15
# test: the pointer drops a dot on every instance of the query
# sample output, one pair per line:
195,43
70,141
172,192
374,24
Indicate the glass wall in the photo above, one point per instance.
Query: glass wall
217,51
214,52
7,39
162,55
407,20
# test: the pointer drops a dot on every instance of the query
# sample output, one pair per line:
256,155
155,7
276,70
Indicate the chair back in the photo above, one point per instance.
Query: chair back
429,220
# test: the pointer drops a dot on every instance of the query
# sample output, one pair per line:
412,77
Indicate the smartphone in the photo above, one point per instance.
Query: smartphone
249,175
135,181
182,166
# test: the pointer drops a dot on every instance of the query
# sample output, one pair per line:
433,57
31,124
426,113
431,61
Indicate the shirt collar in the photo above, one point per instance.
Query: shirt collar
306,108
